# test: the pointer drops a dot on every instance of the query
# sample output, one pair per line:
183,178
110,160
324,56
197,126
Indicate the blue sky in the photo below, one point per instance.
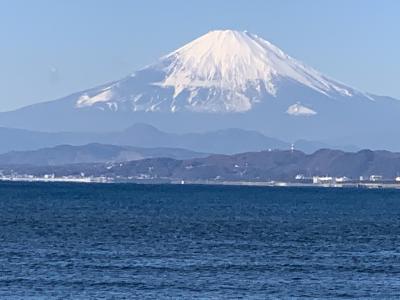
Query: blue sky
52,48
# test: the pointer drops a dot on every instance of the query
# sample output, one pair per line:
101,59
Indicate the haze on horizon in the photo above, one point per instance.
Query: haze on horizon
56,48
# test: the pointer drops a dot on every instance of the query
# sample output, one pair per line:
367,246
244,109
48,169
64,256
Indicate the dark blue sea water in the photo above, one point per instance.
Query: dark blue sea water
125,241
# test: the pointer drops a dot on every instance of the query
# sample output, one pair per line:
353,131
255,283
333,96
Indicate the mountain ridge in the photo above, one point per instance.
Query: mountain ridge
220,72
250,84
226,141
91,153
251,166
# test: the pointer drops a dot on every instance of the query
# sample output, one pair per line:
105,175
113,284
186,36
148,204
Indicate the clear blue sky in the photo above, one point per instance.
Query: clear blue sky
52,48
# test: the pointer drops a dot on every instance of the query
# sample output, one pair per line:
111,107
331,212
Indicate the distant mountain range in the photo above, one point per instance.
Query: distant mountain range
252,166
226,141
91,153
224,79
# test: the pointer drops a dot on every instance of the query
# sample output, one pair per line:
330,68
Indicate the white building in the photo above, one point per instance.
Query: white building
375,178
323,179
342,179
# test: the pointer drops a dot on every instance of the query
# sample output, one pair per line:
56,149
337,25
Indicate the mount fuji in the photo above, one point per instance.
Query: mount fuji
224,79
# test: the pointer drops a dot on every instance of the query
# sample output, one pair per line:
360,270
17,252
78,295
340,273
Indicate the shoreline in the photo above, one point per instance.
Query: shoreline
361,185
103,180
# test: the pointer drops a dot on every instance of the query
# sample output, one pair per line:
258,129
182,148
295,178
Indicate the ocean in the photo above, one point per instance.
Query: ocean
127,241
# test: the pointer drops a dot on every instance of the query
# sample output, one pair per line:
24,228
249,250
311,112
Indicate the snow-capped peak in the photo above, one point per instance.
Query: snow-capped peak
221,71
231,60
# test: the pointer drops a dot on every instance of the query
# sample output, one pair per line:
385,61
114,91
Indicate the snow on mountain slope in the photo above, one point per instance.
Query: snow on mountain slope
300,110
231,59
224,79
221,71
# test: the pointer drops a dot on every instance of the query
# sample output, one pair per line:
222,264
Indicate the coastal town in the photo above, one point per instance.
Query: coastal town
372,181
52,178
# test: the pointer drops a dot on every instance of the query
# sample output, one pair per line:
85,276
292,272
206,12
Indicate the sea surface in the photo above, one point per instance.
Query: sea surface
127,241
